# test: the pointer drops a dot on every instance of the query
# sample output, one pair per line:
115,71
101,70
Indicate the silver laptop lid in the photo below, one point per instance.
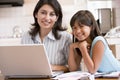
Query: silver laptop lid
22,59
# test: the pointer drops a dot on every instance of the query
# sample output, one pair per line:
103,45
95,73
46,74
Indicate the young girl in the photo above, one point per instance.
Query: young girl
90,45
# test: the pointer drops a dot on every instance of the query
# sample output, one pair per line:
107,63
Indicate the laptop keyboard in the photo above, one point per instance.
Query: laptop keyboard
28,77
54,74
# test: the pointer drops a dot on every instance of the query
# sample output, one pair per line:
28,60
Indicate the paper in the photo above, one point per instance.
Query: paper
112,74
108,75
75,76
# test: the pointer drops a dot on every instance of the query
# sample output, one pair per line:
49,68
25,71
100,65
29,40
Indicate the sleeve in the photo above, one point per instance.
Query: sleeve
26,39
67,45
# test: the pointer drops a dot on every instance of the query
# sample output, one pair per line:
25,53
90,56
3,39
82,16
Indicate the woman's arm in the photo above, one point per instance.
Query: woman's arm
93,63
59,68
73,59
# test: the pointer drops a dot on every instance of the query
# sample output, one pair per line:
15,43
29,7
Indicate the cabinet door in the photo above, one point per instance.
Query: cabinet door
104,16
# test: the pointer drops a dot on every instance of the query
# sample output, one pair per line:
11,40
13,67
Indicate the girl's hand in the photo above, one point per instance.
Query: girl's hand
74,45
84,45
74,59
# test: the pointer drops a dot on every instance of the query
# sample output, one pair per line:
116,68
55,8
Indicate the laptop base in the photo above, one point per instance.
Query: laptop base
28,77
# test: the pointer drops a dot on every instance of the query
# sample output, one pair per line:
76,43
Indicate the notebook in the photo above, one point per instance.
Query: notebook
25,61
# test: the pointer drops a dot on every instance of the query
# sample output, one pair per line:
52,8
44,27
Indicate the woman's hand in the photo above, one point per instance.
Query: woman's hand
59,68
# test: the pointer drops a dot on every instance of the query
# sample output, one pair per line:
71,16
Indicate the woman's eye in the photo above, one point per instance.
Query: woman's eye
43,13
52,14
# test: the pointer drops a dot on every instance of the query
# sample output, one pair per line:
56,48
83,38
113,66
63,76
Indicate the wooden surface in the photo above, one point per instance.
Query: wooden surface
52,79
106,79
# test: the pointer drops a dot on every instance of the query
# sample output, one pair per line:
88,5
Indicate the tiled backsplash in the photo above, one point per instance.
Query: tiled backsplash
22,16
7,25
15,16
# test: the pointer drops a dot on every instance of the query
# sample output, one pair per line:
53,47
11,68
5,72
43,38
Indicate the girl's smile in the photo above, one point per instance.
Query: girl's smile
81,32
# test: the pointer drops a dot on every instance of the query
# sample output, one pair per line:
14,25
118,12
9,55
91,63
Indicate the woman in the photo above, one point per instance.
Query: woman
90,45
48,30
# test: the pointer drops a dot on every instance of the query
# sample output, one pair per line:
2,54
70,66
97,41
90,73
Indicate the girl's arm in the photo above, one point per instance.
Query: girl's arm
93,63
74,59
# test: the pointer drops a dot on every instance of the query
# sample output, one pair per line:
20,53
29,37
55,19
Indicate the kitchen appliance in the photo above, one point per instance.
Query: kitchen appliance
12,2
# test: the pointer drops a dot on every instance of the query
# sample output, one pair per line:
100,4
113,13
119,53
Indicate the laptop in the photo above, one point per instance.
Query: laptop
25,61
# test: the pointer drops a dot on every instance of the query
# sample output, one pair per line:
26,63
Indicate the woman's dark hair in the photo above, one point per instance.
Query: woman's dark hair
58,24
85,17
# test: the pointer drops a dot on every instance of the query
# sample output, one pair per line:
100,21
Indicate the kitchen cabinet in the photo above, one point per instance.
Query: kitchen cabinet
105,19
116,50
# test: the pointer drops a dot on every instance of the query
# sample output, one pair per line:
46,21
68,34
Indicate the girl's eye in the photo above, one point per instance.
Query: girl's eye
81,26
74,28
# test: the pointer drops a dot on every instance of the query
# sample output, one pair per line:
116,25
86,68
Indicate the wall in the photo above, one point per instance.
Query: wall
11,17
21,17
94,5
70,7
